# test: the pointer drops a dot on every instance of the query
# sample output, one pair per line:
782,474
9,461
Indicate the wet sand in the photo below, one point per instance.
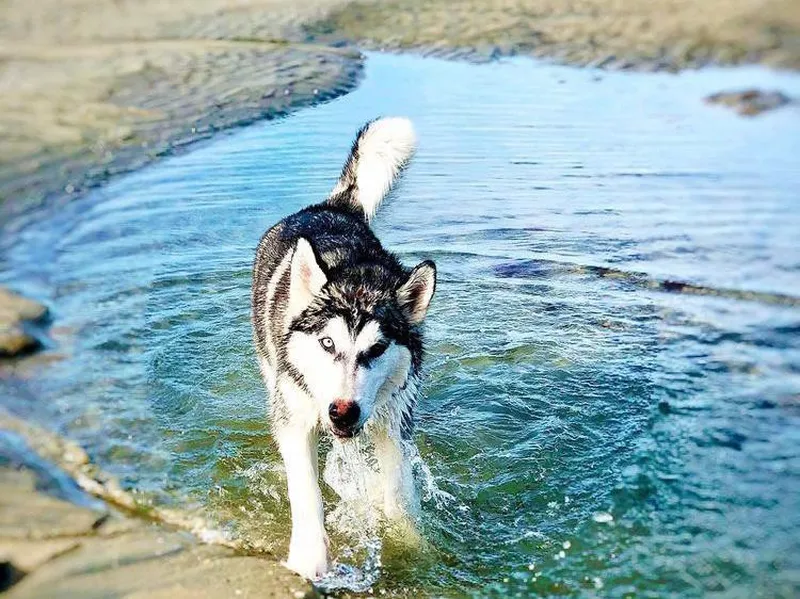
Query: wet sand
640,34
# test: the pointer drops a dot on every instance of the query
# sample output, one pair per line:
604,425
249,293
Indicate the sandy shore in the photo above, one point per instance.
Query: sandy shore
667,34
90,89
93,88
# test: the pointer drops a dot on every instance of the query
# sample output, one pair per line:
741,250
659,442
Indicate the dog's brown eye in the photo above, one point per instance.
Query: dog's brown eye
373,353
327,344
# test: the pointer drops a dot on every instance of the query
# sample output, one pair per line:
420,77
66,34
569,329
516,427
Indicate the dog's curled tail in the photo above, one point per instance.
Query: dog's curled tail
381,149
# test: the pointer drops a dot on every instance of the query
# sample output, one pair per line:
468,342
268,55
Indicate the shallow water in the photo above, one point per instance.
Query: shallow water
590,430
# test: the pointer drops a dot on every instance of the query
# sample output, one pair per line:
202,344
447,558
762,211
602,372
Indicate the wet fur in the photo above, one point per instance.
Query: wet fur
322,269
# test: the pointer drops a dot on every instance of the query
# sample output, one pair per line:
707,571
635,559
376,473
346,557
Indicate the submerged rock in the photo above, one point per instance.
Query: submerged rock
750,102
19,317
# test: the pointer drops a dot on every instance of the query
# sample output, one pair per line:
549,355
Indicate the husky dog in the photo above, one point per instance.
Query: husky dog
337,326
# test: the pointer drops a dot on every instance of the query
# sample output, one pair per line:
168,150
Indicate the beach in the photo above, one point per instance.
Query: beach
93,89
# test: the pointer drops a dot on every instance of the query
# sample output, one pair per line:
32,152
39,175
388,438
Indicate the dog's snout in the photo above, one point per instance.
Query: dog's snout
344,413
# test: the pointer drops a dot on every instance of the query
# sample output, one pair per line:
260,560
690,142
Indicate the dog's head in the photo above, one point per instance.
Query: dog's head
354,335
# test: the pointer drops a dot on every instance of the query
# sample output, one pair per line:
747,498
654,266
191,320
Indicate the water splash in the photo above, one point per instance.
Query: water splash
357,520
425,481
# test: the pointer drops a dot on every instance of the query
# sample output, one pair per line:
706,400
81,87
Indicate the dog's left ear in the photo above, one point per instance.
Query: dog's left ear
415,294
306,279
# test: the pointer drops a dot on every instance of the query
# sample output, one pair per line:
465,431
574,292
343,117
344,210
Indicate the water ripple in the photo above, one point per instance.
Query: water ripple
613,356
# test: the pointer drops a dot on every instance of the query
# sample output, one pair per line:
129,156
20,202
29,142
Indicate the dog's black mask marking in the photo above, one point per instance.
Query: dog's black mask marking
359,295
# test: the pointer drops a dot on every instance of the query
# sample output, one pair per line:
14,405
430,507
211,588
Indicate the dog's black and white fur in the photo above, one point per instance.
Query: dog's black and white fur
337,322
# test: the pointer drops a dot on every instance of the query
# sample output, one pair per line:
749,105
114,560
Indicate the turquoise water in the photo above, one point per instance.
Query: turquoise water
590,430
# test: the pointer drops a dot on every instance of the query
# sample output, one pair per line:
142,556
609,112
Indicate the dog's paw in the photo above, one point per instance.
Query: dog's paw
308,557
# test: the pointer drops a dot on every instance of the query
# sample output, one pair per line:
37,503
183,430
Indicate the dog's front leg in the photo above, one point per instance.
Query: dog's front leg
395,474
308,550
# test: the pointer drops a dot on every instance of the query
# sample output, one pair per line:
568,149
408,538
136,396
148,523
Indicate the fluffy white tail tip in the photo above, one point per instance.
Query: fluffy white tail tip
381,150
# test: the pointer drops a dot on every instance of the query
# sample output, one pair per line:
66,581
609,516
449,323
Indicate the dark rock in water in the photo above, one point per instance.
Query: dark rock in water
724,438
750,102
528,269
19,318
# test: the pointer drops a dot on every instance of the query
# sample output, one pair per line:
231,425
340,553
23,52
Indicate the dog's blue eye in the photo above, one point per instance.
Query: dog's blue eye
327,344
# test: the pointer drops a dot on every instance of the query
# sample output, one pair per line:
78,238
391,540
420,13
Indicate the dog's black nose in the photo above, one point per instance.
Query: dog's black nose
344,413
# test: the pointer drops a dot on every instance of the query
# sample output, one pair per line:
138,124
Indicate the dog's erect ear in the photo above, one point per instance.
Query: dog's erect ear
306,279
415,294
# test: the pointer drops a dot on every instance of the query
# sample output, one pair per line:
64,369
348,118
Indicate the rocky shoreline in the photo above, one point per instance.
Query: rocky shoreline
21,324
71,531
91,89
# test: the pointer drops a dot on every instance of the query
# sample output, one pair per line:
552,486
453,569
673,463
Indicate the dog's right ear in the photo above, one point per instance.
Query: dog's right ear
415,294
306,279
